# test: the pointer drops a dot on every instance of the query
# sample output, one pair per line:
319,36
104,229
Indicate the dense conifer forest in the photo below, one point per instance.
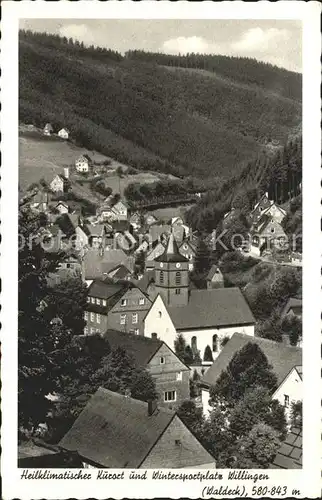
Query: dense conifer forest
204,116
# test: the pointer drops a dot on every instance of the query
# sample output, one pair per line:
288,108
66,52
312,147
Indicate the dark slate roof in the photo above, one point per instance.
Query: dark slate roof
212,308
289,456
96,265
141,348
94,230
283,358
116,431
171,253
111,292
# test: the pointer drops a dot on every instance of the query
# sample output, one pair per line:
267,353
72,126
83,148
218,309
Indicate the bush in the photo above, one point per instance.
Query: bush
208,354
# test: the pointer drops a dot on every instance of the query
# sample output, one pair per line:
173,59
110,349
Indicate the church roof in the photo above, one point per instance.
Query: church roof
171,253
212,309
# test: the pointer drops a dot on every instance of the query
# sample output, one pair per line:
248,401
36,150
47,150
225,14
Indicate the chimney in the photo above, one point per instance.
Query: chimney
152,406
66,172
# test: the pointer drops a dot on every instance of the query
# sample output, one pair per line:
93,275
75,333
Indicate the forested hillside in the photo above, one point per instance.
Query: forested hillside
280,175
153,117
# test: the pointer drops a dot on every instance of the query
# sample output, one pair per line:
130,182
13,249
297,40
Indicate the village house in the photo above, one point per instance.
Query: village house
119,306
293,307
267,233
157,250
60,183
276,212
203,317
120,210
62,207
263,204
215,278
48,129
83,163
117,431
39,201
188,250
95,234
285,360
150,219
170,374
97,264
63,133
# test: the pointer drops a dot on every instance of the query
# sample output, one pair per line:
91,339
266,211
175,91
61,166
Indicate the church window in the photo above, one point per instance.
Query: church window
194,343
178,278
161,277
215,343
178,291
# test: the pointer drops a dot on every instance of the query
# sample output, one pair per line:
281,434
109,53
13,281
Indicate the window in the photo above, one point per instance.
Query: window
178,291
85,315
160,314
93,330
161,277
179,376
123,302
161,264
178,265
86,330
92,300
68,266
123,319
194,343
88,299
178,278
170,396
98,318
162,360
286,400
141,301
215,343
136,331
103,302
134,318
92,317
272,230
98,302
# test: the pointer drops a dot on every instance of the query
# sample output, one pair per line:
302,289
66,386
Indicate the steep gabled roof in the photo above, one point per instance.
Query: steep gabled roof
282,357
212,309
171,253
214,272
111,292
141,348
116,431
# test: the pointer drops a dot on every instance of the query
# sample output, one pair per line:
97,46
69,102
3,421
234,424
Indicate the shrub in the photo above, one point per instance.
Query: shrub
208,354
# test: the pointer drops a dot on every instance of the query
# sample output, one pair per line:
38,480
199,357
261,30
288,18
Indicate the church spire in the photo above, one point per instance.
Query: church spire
171,253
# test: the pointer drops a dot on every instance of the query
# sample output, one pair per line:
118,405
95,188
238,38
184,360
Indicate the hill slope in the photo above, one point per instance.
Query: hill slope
151,117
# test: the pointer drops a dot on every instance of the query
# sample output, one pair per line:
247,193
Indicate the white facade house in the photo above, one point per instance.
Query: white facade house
290,390
82,164
286,362
62,207
63,133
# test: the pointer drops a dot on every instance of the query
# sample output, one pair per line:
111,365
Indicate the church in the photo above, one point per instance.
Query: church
204,317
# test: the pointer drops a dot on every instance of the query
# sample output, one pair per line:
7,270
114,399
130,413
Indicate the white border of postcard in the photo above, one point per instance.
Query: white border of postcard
307,480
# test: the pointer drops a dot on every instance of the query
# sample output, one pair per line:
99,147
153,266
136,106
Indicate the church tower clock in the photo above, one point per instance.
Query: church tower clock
172,275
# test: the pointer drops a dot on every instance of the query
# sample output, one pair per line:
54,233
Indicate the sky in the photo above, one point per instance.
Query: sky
278,42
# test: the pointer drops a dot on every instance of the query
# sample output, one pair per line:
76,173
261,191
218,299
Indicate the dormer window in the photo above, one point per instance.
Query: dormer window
162,360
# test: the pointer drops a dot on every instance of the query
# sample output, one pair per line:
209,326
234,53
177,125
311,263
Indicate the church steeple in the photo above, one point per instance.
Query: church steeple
172,275
171,253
